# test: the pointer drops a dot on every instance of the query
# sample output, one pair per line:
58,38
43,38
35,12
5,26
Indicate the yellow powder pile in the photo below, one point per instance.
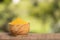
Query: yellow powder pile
18,21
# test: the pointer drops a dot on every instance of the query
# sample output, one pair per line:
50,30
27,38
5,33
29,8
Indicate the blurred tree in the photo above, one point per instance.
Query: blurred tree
45,12
5,14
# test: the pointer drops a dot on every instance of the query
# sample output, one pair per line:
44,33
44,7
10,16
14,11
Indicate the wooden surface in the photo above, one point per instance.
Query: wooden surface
30,36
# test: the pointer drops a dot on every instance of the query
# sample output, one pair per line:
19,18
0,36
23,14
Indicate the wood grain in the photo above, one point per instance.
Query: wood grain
30,36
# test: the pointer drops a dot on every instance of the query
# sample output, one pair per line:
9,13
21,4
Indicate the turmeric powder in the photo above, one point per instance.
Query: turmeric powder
18,21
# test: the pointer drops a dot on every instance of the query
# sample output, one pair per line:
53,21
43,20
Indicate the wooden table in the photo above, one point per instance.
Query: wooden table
30,36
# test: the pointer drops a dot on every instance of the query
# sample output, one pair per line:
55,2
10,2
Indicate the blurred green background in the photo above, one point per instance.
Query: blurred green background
43,15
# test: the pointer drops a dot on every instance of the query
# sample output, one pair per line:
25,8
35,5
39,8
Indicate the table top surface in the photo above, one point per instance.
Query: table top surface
30,36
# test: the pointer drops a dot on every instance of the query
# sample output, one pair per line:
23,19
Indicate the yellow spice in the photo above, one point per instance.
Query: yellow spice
18,21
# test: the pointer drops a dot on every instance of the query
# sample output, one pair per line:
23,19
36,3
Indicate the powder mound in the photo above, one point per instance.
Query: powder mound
18,21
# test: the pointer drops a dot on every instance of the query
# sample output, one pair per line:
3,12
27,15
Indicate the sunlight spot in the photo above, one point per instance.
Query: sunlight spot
16,1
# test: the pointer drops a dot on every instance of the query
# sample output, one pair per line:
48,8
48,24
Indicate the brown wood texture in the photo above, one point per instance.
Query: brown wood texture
30,36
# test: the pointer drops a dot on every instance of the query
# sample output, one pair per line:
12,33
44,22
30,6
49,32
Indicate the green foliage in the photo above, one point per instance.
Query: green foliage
40,15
